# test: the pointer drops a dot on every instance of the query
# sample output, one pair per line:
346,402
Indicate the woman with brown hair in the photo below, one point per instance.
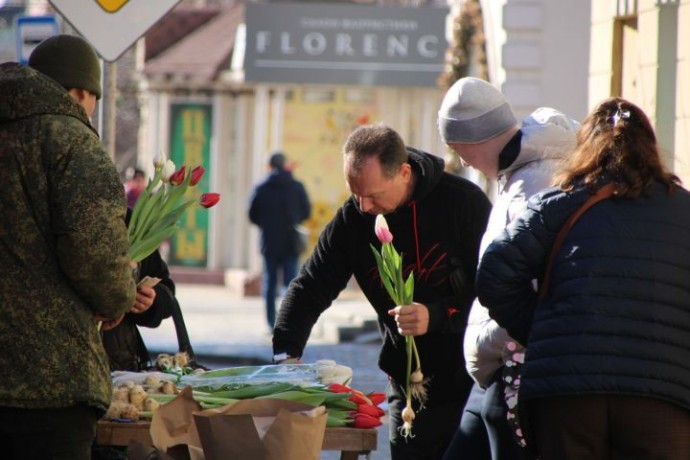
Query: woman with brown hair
607,368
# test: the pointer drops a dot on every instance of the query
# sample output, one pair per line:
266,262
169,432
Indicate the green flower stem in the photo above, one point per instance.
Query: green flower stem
409,342
416,353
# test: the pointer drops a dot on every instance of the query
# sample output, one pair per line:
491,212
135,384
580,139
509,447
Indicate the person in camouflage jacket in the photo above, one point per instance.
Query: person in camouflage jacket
64,264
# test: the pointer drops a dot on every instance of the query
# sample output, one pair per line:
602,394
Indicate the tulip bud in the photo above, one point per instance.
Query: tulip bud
159,160
208,200
359,398
177,177
377,398
369,409
381,229
365,421
338,388
197,174
168,170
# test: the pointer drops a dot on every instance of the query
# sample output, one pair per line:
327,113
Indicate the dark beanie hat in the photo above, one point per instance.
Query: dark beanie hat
69,60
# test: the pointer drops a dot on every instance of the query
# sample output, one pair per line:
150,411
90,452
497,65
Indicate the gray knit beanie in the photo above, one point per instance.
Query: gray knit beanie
473,111
70,61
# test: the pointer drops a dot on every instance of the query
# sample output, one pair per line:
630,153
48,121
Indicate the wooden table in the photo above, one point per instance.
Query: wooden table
351,442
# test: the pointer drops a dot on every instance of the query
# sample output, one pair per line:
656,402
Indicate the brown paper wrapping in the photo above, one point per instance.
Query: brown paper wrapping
252,429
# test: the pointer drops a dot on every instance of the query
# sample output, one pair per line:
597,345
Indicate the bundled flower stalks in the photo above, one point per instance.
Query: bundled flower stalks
390,265
159,207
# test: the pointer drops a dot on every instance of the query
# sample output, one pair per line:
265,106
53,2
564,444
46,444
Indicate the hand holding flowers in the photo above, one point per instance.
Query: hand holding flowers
390,266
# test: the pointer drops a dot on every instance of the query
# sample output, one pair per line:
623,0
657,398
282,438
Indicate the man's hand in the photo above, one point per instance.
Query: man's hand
145,297
412,319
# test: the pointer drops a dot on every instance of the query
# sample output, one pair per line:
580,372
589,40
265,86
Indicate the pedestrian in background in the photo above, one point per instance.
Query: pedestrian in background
437,219
135,186
477,123
607,369
64,254
277,205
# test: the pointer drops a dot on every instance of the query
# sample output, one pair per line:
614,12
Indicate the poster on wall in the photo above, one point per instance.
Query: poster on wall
316,154
190,145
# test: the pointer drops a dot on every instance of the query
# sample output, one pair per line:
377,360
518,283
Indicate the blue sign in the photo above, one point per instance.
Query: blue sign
32,30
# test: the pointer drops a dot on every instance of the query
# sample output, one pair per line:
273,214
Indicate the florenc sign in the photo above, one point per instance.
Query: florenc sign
344,44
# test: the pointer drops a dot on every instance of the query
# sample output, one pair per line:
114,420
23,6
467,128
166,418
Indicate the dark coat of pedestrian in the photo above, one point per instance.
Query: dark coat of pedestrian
277,205
607,368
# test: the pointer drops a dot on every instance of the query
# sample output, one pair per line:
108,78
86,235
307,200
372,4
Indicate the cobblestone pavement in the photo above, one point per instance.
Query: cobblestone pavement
227,330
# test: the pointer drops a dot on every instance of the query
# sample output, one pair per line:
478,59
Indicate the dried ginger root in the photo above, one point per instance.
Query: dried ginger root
164,361
181,359
137,395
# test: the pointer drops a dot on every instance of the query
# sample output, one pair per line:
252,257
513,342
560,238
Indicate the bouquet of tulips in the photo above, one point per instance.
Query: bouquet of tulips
390,266
158,210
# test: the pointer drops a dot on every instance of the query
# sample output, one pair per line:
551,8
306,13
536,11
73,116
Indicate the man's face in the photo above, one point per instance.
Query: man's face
375,193
478,156
89,103
84,98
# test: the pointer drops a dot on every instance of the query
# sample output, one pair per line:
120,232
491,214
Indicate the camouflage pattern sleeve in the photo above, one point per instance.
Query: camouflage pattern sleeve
88,207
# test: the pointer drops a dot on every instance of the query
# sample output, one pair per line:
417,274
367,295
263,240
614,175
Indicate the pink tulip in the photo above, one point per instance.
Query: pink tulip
381,229
197,174
209,199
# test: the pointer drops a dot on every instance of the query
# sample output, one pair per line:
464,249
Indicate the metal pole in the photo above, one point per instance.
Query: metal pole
112,115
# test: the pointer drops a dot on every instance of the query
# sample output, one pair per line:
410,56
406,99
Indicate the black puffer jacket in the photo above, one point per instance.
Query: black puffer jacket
617,316
439,233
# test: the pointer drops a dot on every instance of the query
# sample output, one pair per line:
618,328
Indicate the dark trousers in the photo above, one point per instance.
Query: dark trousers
47,434
609,427
432,429
287,267
484,433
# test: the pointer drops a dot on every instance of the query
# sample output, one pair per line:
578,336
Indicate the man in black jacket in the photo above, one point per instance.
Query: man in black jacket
437,220
277,205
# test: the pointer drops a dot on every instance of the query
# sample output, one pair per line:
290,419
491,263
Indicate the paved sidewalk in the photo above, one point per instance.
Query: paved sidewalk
221,322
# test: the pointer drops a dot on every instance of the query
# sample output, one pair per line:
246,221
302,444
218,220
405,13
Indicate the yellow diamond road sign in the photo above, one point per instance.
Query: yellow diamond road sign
112,26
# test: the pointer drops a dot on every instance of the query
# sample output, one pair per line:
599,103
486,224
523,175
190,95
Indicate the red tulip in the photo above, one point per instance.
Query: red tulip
197,174
338,388
365,421
374,411
209,199
177,177
377,397
359,398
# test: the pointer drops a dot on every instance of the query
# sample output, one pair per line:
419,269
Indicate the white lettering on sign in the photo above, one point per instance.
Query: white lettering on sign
343,44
